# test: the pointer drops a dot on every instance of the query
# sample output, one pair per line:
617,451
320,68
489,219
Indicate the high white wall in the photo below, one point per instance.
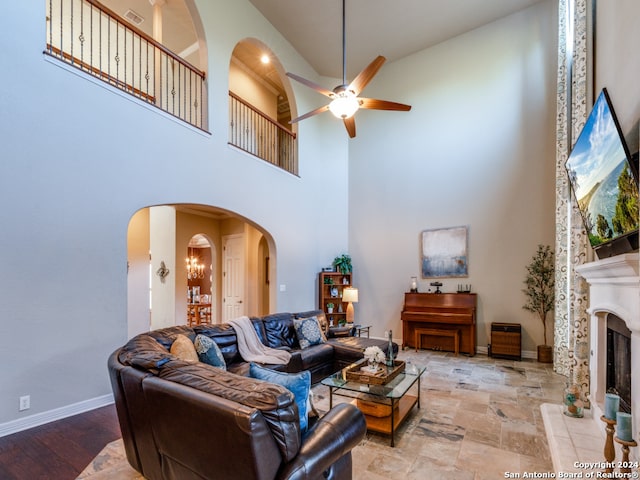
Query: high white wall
476,149
617,63
78,160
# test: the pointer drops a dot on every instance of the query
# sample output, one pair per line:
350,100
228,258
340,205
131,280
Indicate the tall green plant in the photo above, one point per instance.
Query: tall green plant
540,283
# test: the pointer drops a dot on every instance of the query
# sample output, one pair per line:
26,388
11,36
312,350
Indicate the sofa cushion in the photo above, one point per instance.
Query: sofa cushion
312,357
276,403
320,315
225,337
183,348
308,332
279,331
297,383
208,352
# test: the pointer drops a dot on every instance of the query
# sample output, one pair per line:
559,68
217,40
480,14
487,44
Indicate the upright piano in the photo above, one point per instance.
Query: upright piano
441,311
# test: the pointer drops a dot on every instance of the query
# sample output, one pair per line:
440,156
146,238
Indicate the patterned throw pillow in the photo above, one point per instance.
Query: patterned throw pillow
209,352
183,348
297,383
308,331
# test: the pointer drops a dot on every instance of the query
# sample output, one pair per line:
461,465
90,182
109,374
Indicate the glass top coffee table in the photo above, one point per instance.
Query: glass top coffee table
384,406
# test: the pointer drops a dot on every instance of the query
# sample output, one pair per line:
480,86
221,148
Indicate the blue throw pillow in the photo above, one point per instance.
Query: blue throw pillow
209,352
297,383
308,331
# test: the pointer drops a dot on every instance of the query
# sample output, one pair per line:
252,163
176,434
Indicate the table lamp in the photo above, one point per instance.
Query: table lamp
350,294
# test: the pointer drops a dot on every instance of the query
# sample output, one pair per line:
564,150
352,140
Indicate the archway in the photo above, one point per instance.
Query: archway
159,237
200,287
261,106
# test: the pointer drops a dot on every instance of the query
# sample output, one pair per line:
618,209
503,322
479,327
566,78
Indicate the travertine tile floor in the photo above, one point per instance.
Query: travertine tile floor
479,419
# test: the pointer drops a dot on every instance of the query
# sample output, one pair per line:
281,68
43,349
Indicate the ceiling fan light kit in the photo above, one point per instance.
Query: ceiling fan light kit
345,101
344,104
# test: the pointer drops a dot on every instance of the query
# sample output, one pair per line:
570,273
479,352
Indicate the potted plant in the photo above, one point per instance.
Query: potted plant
342,264
540,282
330,307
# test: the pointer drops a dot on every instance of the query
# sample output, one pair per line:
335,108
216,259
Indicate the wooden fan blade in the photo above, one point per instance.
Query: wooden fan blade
350,123
375,104
311,113
311,84
365,76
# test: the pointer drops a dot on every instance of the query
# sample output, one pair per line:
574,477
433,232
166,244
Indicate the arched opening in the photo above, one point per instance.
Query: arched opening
259,106
200,273
160,290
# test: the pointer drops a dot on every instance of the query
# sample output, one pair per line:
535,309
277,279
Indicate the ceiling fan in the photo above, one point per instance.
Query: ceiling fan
345,100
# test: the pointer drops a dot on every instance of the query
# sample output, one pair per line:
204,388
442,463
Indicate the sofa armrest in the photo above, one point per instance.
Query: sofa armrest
330,439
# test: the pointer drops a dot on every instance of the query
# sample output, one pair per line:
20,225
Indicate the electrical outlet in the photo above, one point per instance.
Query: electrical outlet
25,402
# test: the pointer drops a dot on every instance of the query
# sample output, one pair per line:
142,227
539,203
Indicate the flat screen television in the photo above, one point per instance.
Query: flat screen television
604,180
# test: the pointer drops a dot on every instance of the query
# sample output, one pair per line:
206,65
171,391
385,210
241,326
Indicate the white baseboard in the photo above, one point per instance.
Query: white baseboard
31,421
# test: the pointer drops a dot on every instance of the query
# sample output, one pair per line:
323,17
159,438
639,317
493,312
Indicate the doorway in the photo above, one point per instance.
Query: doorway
200,274
233,289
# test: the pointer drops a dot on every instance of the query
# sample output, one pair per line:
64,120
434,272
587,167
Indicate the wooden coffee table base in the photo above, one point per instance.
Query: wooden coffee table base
400,409
389,424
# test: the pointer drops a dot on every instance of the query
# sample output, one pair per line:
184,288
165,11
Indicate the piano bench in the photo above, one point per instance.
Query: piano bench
455,334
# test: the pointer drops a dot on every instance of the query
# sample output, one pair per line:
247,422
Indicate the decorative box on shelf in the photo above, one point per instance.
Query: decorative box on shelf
385,374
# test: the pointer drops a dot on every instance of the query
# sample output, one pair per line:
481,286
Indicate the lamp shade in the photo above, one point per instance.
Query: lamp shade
350,294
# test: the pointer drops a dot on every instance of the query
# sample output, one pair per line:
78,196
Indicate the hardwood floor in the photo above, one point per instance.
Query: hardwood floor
59,450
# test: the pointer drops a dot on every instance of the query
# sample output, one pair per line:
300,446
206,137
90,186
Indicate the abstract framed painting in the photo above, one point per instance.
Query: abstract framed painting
444,252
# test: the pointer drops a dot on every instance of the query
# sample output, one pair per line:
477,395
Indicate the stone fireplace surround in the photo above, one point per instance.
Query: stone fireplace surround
614,288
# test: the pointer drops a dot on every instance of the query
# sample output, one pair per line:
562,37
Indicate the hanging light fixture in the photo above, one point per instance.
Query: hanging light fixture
195,270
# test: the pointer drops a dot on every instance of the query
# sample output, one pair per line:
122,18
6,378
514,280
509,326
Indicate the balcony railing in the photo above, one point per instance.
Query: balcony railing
254,132
92,38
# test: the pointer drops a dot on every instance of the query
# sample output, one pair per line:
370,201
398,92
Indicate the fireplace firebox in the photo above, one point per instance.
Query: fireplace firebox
619,361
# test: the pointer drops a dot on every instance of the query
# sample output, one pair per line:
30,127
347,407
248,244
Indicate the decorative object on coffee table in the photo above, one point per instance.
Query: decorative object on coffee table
358,372
374,356
390,350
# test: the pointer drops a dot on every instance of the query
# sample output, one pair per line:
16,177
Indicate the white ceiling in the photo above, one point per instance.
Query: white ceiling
392,28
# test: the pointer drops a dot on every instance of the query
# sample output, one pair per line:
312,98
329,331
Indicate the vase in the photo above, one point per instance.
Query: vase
572,404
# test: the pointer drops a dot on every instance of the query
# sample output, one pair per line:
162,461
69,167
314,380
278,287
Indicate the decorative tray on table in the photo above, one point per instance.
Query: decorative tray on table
383,375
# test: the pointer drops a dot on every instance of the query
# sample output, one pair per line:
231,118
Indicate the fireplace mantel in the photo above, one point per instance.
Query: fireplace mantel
615,287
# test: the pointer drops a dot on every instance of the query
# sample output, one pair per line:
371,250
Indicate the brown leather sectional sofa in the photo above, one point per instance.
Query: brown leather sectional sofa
182,420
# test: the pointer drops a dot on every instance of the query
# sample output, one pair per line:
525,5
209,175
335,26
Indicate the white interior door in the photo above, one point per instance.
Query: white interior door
233,277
